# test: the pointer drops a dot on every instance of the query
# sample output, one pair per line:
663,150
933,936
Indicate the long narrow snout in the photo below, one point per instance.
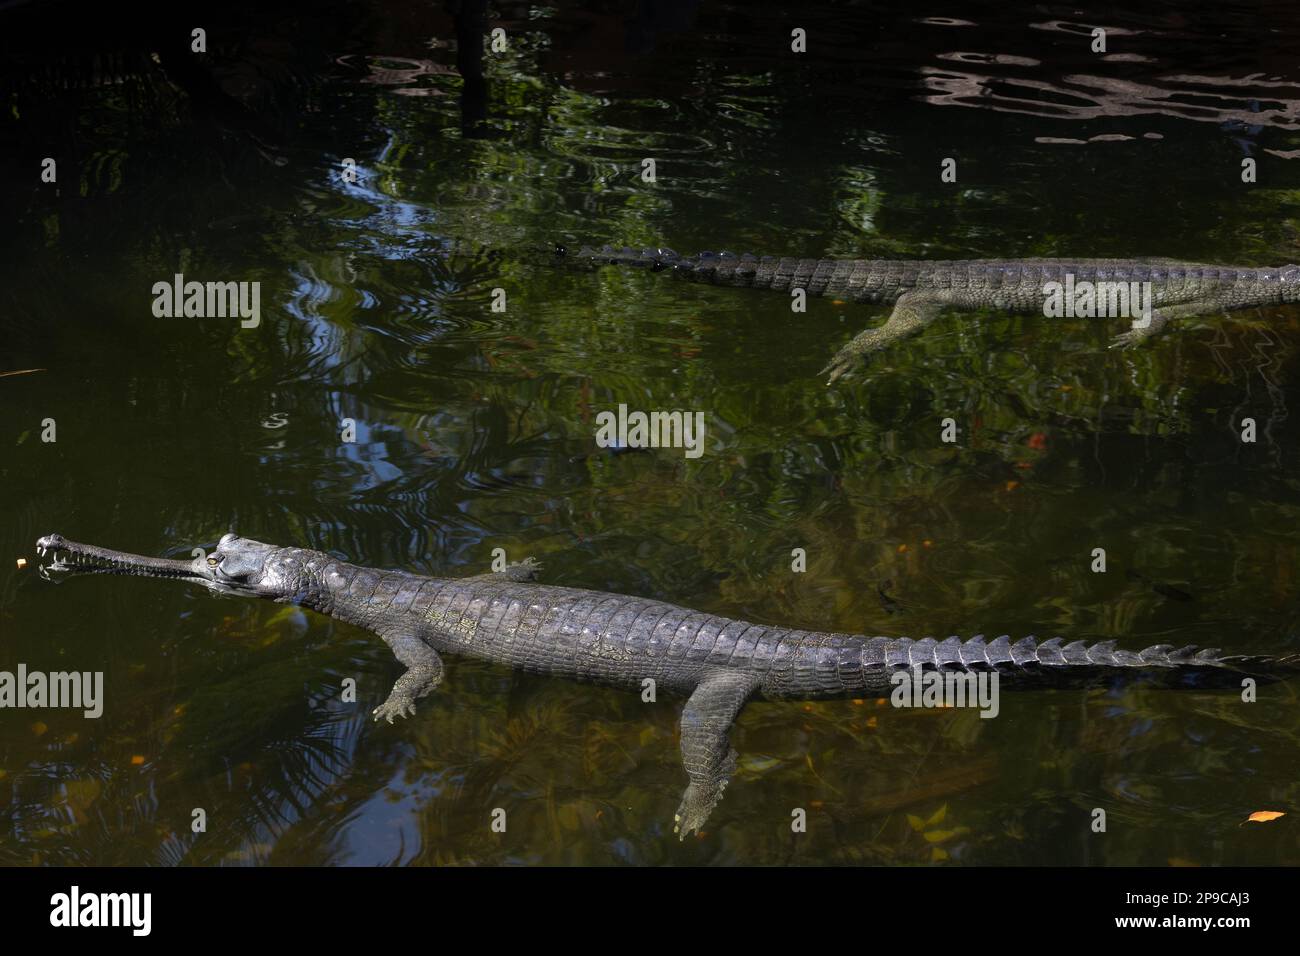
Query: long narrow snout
72,557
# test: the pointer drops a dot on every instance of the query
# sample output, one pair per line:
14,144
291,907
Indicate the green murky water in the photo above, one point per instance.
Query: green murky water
475,428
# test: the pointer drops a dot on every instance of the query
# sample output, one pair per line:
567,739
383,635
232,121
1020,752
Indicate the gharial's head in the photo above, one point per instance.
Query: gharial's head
236,566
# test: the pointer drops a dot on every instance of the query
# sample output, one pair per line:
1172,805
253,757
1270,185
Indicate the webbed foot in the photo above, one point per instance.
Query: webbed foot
701,797
1152,325
1130,339
846,360
394,707
526,570
913,311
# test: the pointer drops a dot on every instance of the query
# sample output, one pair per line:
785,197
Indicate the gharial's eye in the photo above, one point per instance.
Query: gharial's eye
213,562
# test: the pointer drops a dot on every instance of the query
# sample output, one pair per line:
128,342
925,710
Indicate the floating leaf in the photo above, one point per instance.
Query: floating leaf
569,817
943,836
938,816
915,822
1264,816
80,794
938,854
757,764
291,615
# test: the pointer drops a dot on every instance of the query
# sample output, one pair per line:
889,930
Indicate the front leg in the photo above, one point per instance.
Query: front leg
706,752
423,673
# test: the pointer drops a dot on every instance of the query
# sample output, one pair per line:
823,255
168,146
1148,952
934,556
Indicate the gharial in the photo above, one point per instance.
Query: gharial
921,289
716,663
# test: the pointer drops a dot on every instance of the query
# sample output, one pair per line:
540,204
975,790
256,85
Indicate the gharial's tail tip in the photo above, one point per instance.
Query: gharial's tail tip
1284,662
653,257
1291,662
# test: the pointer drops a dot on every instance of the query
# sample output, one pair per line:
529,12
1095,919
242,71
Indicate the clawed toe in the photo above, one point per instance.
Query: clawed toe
1127,340
701,797
688,820
840,366
390,709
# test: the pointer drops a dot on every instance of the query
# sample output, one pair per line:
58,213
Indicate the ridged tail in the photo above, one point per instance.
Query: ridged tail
1057,664
817,276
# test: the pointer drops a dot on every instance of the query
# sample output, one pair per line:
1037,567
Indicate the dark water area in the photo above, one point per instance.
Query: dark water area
475,428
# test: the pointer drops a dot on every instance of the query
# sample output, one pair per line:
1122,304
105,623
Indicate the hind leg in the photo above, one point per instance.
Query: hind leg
706,751
913,311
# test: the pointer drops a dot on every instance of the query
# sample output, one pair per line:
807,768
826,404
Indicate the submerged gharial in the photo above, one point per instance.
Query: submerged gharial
921,289
716,663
